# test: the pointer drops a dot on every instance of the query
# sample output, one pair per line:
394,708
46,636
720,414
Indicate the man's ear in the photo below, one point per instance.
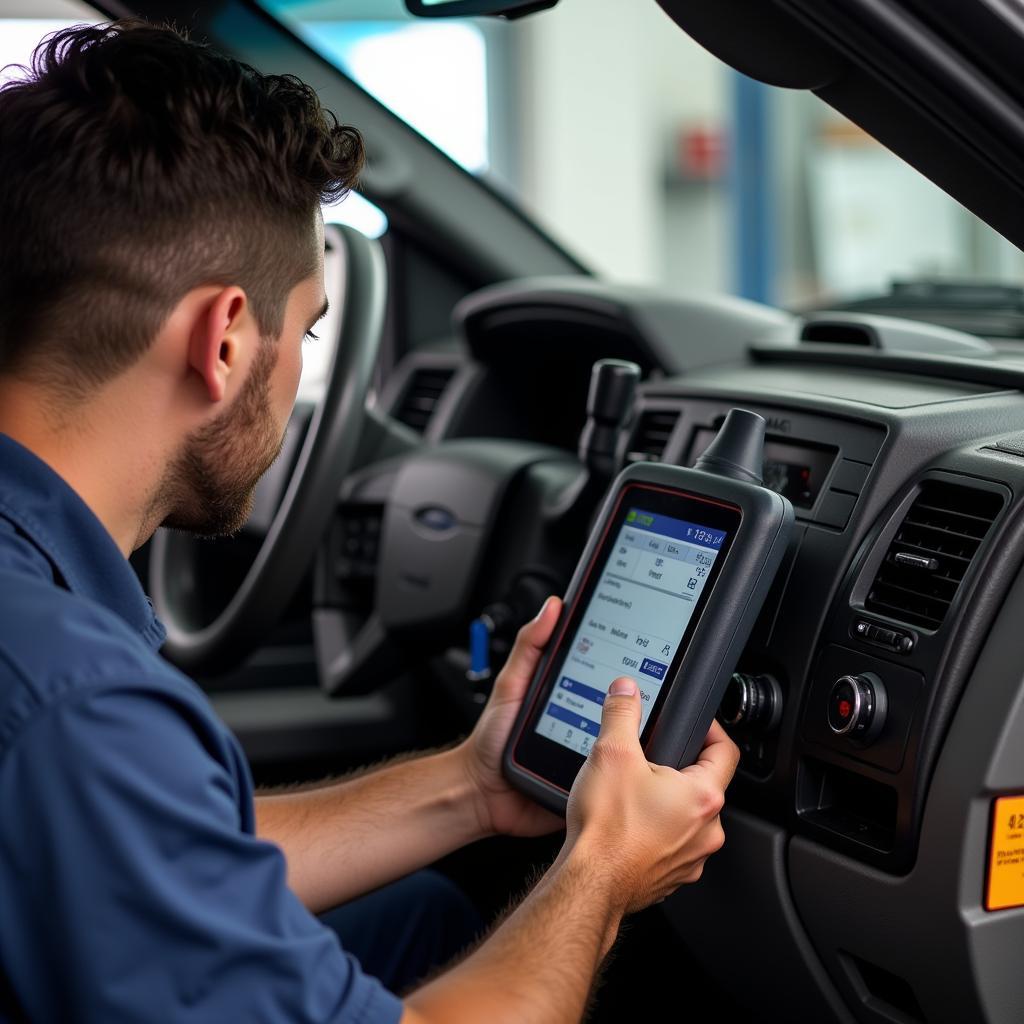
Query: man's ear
216,346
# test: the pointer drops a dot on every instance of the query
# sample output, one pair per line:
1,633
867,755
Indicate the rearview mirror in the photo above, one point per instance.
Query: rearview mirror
475,8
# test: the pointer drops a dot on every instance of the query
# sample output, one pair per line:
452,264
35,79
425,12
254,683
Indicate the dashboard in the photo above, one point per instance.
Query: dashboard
887,655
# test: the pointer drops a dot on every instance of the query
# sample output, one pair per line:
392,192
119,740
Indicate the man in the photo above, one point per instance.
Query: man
162,261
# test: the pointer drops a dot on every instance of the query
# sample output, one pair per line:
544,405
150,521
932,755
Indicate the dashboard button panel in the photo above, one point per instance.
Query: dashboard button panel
899,641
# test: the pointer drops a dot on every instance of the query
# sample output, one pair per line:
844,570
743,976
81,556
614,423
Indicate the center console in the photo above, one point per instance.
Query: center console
856,663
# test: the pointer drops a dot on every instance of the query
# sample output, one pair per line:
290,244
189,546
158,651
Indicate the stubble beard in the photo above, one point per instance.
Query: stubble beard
209,488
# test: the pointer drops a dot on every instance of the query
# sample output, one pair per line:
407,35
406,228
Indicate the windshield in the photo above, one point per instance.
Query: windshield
654,162
649,159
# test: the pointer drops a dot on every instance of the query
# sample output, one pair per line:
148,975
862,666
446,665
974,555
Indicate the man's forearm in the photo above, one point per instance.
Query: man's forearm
539,965
346,839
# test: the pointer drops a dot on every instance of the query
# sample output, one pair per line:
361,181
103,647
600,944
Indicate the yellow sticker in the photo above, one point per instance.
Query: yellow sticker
1006,855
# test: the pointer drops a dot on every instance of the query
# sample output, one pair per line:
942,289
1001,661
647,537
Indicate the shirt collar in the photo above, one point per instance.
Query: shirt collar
65,530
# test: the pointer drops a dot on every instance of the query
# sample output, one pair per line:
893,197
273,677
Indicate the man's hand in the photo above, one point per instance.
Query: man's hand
501,808
636,831
652,827
345,839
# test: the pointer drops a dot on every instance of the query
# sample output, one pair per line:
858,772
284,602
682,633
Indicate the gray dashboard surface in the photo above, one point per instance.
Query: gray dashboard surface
865,387
841,912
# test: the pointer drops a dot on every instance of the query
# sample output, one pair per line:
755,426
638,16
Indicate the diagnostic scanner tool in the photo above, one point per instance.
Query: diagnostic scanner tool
667,590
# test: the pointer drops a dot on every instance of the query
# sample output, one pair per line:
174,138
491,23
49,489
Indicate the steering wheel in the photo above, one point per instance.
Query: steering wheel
325,459
474,532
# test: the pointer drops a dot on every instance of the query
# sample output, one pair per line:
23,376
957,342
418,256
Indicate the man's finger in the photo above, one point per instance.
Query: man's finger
529,646
620,718
719,756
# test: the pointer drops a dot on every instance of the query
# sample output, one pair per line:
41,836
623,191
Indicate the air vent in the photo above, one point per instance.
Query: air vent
651,435
422,393
932,552
832,332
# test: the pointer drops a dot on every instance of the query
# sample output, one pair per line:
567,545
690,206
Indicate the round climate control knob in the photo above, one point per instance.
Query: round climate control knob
856,706
751,702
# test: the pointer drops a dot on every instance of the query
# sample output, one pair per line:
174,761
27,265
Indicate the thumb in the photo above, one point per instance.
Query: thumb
620,719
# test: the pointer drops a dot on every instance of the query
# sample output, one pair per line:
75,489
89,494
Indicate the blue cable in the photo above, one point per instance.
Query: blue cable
480,647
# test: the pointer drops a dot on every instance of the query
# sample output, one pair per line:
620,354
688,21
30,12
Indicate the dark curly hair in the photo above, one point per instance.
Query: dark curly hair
135,165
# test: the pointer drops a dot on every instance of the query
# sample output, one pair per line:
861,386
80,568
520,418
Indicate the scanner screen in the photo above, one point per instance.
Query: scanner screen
639,609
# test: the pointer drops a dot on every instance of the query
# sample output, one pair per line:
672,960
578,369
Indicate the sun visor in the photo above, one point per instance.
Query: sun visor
772,46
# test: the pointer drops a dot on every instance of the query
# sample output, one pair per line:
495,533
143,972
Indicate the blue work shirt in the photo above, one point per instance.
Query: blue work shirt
132,885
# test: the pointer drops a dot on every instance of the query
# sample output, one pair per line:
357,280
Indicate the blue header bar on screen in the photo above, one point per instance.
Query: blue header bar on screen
677,529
